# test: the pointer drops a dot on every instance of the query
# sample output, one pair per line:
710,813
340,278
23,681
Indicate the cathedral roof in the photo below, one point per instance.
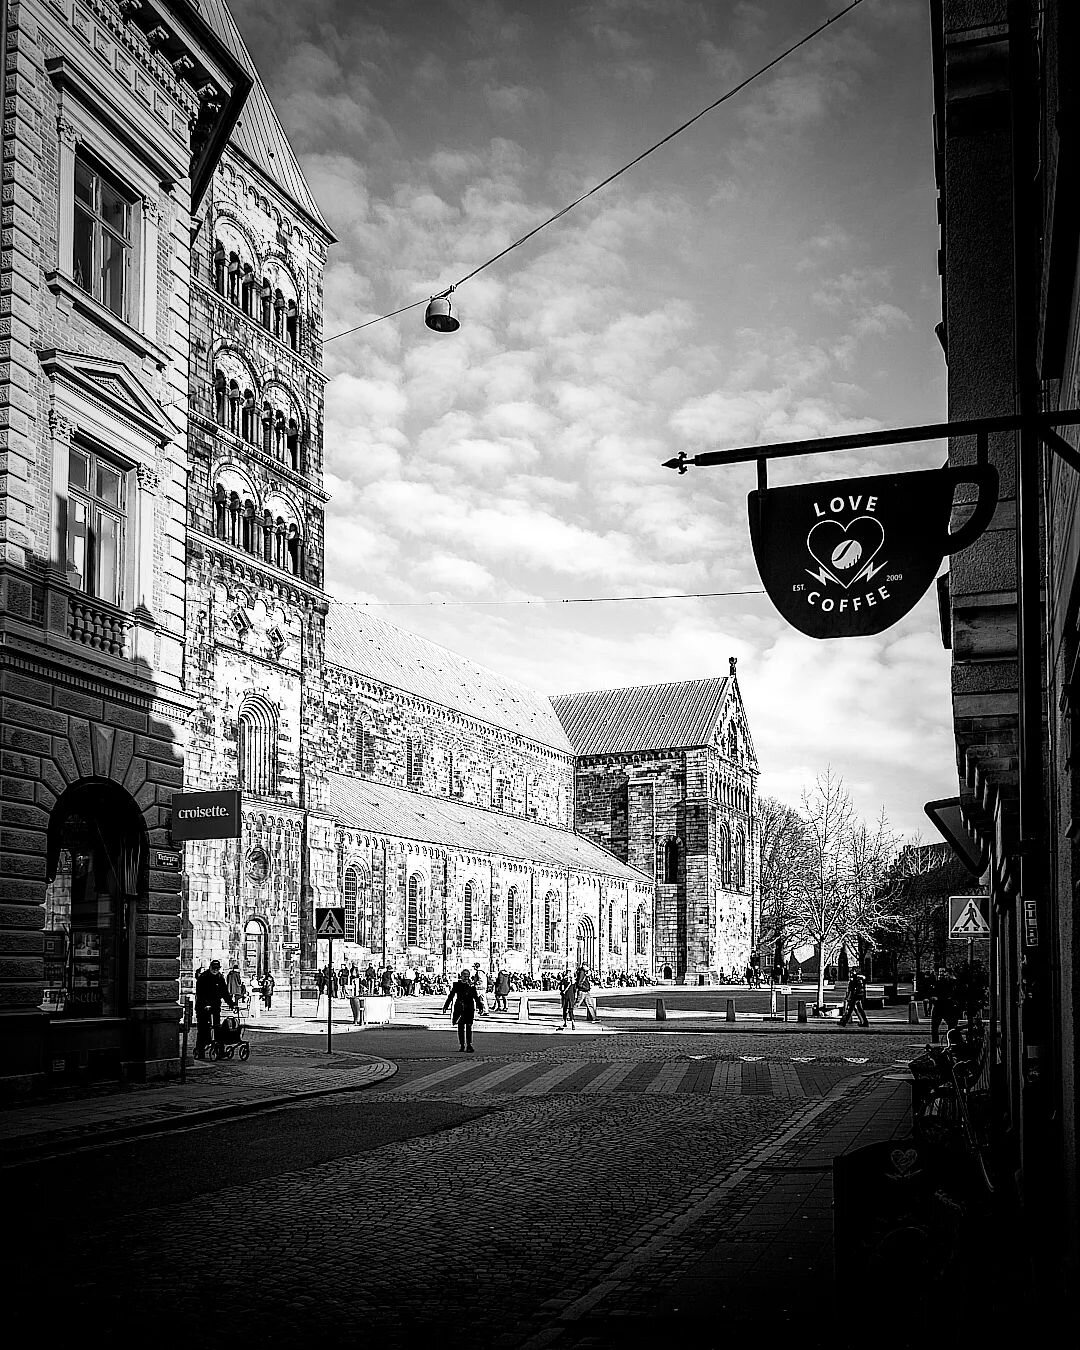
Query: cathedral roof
359,804
258,134
648,717
370,646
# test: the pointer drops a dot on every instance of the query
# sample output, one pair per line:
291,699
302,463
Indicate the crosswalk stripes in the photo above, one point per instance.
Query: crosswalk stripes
670,1076
537,1078
609,1078
727,1078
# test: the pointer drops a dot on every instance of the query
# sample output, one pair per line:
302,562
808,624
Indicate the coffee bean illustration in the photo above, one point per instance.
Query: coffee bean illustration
846,554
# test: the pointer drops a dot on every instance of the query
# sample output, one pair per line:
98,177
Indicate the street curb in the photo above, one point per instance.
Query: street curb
15,1155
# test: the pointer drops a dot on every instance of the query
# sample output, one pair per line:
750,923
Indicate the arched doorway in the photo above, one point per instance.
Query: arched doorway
95,871
256,951
585,945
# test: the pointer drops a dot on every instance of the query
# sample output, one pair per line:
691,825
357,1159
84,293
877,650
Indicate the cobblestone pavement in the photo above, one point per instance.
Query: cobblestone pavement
601,1169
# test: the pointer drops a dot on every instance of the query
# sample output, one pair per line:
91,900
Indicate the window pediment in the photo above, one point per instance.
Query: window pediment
110,386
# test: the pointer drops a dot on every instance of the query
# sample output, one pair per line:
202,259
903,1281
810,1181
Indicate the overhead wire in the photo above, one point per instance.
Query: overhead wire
569,600
609,179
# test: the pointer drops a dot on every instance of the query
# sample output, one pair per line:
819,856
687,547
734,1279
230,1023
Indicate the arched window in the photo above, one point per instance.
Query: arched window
220,398
248,290
551,921
513,919
292,443
348,894
670,872
257,746
279,315
234,278
467,919
414,763
249,420
266,294
292,548
219,511
233,409
640,931
280,436
268,536
218,266
415,911
725,855
740,859
234,520
268,428
292,332
612,917
247,525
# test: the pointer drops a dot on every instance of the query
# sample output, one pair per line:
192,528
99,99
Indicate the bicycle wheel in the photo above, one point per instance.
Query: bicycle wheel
938,1123
974,1143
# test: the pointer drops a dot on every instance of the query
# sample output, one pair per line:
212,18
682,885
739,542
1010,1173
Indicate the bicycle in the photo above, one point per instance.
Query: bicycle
947,1075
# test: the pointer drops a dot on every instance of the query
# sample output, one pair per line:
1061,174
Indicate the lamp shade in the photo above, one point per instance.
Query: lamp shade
439,316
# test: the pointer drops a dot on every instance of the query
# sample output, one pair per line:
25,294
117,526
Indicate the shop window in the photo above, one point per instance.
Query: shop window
102,239
94,874
96,524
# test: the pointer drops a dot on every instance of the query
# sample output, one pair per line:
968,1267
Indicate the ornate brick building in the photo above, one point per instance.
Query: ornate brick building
115,116
665,778
256,607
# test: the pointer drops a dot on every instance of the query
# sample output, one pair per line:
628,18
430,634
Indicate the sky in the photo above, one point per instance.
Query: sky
768,274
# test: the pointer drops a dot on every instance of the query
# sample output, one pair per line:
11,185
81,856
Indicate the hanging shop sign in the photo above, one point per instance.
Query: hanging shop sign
851,557
205,815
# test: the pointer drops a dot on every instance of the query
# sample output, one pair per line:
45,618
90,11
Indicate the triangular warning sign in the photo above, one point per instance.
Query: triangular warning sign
330,926
970,922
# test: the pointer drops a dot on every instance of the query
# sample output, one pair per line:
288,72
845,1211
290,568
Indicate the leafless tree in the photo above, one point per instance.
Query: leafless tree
784,863
872,891
823,901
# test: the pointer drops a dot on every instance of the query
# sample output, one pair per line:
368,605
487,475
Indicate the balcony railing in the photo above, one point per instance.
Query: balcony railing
97,626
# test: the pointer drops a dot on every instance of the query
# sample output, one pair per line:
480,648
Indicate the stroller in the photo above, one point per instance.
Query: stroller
230,1039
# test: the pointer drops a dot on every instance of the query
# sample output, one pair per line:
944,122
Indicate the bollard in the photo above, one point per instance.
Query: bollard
523,1009
913,1011
802,1010
661,1011
731,1010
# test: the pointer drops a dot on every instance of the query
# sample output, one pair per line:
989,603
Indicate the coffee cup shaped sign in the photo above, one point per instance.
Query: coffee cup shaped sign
852,557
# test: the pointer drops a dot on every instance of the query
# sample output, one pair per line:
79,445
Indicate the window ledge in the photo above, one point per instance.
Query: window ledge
100,314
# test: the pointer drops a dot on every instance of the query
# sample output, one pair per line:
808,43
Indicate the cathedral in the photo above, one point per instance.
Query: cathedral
165,624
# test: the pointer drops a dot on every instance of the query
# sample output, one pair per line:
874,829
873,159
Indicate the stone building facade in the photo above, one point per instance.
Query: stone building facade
115,114
256,607
1007,154
452,792
665,777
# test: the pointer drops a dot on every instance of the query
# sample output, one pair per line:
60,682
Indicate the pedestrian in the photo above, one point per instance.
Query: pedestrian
388,982
855,1003
480,984
585,988
945,1006
235,983
370,976
502,989
343,979
465,999
569,997
267,990
320,982
410,979
211,990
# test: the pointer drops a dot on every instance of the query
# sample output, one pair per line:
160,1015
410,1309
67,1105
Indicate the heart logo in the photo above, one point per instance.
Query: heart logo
845,551
904,1160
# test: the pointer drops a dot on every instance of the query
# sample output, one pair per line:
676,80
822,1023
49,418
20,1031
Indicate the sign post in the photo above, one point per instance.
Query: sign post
329,924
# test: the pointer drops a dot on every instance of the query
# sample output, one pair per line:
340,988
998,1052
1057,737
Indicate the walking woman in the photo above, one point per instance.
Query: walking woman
464,996
569,992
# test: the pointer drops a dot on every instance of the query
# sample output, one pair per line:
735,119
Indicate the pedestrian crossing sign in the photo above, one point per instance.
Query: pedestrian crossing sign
966,919
330,923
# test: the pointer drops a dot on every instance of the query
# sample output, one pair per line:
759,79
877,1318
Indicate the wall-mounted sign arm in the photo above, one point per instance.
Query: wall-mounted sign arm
1061,446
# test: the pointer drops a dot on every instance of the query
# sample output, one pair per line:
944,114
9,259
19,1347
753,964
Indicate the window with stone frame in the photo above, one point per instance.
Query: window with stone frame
724,850
513,919
102,262
739,860
414,763
257,746
468,916
96,523
551,921
415,911
669,862
640,931
365,751
349,890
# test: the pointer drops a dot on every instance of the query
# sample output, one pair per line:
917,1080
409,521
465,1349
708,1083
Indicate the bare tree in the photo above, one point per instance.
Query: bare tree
922,877
823,900
872,892
783,844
